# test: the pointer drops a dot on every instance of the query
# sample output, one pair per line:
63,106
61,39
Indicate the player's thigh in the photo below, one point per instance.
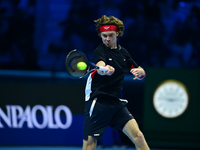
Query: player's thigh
131,129
120,119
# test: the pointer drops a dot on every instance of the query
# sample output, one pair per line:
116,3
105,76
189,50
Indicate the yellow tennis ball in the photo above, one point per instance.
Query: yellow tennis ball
81,65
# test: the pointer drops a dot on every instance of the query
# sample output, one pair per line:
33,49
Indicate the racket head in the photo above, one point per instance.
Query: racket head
71,61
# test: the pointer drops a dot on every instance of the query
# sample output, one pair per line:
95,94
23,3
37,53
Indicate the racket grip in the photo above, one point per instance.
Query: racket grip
101,68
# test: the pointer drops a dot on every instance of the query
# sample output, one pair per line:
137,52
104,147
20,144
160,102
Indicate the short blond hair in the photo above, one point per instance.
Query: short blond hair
111,20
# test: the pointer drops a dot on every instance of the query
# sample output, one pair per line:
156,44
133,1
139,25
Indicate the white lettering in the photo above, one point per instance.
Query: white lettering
44,115
39,117
50,116
68,115
16,112
26,117
7,118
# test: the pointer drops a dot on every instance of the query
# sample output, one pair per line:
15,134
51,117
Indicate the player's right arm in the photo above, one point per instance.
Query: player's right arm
110,70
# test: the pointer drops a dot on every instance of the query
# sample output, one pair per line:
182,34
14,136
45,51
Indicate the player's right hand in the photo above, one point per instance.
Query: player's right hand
110,70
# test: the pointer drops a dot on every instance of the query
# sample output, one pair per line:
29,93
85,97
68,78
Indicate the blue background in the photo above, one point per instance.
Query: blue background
36,36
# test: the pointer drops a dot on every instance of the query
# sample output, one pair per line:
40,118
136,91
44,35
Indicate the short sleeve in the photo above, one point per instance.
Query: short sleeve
131,61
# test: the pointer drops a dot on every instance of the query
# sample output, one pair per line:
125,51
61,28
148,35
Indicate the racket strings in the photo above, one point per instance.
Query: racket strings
72,59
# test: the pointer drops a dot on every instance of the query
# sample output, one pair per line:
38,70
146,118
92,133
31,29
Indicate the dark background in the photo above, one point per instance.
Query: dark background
36,35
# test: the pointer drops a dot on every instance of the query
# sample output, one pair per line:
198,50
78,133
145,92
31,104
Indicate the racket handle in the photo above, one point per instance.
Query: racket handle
101,68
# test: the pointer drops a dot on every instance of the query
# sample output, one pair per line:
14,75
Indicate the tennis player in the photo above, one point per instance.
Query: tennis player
104,106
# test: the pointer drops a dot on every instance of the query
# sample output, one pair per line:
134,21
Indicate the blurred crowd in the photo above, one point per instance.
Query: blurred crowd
158,33
16,35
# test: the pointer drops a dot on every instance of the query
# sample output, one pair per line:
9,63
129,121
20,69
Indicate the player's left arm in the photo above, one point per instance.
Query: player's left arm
139,73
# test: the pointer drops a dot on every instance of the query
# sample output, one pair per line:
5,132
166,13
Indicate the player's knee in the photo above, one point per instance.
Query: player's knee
139,138
84,142
91,141
90,144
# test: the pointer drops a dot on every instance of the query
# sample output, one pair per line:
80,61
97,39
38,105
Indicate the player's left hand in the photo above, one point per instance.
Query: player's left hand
137,72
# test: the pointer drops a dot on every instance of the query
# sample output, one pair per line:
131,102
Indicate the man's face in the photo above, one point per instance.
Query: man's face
109,38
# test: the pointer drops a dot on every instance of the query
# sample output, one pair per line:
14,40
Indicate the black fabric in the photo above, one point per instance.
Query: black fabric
108,111
118,58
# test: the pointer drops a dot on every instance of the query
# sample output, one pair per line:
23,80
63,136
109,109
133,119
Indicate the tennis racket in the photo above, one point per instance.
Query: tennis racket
73,58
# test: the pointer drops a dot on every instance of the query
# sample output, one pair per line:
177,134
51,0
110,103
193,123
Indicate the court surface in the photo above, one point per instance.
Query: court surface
69,148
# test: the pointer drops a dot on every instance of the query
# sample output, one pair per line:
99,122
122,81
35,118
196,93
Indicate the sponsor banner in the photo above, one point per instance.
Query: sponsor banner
41,108
43,125
28,93
40,125
36,117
